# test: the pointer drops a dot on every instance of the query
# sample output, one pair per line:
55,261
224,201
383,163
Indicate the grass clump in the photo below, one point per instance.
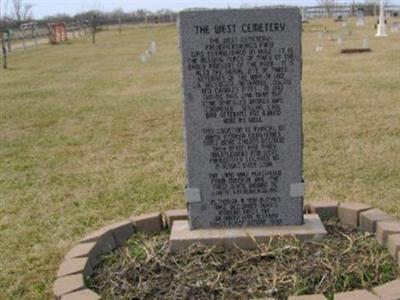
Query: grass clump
345,260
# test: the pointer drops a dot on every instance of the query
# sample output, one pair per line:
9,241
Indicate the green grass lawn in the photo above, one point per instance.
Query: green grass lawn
89,135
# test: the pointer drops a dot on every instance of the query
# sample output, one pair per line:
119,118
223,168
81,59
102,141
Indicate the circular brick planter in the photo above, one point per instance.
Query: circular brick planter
80,261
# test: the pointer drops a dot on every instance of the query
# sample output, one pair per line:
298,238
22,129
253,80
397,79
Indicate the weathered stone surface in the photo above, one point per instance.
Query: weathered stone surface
349,213
68,284
325,209
106,243
148,223
243,117
121,231
93,236
181,237
85,294
175,215
369,218
386,228
81,250
94,250
308,297
389,291
74,266
356,295
393,245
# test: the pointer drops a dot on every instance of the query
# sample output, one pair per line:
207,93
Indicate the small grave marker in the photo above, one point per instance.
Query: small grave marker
340,40
395,27
143,58
365,43
153,47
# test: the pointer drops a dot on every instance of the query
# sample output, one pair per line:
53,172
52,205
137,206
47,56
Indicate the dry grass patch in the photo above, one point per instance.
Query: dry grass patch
343,261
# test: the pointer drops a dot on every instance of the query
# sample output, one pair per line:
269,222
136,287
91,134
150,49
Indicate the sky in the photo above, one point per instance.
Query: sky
50,7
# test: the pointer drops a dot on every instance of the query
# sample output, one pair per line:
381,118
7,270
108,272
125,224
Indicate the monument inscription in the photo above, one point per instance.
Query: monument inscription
243,121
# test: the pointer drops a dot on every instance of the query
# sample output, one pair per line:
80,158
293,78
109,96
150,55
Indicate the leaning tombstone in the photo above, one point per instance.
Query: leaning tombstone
243,128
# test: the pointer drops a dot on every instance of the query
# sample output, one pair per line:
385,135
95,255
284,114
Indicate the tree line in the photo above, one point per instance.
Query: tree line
15,12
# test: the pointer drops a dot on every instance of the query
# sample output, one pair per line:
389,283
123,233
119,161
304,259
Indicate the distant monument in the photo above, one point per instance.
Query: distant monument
243,121
381,31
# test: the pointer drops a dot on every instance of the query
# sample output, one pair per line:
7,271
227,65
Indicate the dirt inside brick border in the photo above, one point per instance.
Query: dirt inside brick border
346,259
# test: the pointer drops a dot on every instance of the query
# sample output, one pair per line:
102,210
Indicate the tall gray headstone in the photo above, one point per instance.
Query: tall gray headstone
243,117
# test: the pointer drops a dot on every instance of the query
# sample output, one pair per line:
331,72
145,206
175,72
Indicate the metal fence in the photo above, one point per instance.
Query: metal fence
20,36
311,12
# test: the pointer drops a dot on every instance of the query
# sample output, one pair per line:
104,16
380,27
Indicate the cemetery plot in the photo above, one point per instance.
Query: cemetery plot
345,260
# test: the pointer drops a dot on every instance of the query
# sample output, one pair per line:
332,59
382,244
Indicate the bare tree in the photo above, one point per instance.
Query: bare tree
22,10
329,6
3,10
377,2
3,13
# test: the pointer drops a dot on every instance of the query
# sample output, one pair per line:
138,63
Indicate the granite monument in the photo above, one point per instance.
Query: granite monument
243,117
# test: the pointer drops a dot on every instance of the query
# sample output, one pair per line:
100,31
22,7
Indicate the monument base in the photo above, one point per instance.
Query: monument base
244,238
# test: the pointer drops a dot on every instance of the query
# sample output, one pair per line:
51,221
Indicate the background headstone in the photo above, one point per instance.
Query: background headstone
340,40
365,43
360,18
153,47
243,117
143,58
395,27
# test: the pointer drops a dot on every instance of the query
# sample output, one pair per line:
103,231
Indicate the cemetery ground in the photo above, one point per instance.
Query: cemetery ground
90,135
345,260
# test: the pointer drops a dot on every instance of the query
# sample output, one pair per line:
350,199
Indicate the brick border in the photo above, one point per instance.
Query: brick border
79,262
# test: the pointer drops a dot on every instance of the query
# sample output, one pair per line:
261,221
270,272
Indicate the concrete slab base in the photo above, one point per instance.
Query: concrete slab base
245,238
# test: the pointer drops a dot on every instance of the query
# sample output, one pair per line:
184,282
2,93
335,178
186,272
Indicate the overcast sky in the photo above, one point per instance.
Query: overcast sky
50,7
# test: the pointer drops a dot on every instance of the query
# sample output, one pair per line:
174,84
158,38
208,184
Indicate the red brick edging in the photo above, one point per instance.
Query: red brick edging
80,261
